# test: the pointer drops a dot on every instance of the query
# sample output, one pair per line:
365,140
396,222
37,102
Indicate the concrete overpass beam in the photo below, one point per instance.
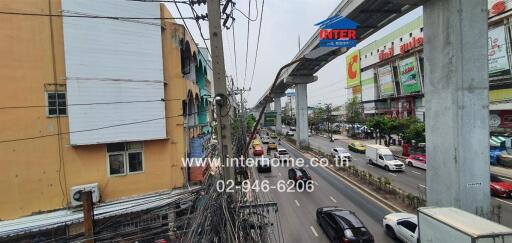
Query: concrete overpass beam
457,115
301,105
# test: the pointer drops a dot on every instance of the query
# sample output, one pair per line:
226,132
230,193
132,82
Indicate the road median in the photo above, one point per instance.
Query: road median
358,186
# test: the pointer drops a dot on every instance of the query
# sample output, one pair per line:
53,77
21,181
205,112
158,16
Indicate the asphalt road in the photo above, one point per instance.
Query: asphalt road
297,209
412,180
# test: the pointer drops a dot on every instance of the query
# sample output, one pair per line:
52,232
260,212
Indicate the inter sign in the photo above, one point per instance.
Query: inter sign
337,31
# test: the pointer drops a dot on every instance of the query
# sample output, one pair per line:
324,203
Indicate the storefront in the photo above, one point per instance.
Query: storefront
391,75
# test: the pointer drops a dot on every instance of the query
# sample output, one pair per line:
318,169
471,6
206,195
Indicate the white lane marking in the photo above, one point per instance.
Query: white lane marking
297,202
415,172
332,198
360,191
279,173
316,183
422,185
503,201
393,174
371,165
314,231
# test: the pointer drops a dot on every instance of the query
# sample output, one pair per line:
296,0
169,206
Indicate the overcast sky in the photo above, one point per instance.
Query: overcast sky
283,22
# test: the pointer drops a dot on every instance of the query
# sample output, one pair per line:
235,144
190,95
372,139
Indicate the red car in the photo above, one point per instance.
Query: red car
500,188
417,160
258,151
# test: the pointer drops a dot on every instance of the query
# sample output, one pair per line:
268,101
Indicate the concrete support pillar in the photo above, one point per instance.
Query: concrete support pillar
457,115
279,113
301,106
301,101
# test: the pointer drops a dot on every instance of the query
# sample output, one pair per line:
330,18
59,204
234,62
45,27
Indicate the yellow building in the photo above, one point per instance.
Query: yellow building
50,142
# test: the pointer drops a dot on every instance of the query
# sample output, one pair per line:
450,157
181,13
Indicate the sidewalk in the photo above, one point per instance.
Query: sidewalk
397,151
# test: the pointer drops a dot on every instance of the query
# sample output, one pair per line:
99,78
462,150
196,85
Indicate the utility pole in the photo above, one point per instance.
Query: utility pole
87,208
223,105
242,109
221,93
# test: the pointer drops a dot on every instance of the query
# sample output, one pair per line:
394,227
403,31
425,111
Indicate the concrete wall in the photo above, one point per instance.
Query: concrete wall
36,174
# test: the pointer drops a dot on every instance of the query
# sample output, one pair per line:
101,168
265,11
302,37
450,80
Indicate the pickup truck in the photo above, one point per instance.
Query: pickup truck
382,156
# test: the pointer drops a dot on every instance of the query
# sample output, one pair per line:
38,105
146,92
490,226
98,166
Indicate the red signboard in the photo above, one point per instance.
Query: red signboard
385,54
413,43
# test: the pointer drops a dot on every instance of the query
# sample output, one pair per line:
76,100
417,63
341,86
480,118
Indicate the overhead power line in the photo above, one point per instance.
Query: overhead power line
86,104
89,16
248,17
92,129
247,43
188,30
257,44
234,50
199,27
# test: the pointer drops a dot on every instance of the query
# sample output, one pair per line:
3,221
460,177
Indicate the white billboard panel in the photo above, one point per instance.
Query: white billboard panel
115,65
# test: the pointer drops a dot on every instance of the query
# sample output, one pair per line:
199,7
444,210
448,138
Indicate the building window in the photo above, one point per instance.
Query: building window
400,39
56,103
410,34
125,158
421,29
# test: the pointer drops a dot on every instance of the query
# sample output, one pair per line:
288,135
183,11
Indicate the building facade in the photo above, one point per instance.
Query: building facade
94,100
389,80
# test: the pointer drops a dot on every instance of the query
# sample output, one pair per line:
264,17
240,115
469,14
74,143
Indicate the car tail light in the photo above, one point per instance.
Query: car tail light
344,240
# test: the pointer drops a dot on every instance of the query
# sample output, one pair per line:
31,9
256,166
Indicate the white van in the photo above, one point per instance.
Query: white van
381,155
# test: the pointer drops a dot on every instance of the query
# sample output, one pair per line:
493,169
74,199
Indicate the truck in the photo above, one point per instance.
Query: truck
448,224
382,156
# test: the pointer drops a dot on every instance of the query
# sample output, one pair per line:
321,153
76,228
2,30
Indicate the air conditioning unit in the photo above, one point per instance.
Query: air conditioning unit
76,193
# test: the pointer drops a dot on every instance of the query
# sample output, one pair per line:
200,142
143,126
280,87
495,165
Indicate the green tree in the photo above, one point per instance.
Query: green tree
251,119
415,132
376,124
391,126
354,113
315,119
404,125
323,114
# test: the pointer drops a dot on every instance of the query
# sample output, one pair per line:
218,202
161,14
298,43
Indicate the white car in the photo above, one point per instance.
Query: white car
281,154
403,226
290,133
341,153
265,139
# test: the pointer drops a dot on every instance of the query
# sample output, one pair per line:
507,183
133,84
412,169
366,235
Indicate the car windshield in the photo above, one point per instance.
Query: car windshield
282,152
303,172
348,219
341,150
388,157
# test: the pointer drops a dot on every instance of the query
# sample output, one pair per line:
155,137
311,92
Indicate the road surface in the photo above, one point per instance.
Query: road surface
412,180
297,209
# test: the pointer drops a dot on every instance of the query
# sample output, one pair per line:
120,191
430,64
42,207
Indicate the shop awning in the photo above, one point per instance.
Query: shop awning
497,140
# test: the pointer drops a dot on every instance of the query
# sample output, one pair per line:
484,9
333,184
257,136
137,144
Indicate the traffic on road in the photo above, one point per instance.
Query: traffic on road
332,212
